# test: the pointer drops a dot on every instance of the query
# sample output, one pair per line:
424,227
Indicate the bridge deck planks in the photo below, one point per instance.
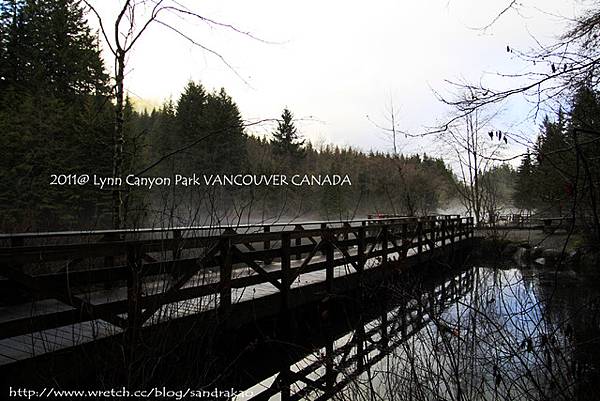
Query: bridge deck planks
30,345
34,344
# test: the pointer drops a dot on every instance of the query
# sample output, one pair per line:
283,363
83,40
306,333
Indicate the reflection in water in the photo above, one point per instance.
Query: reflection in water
484,334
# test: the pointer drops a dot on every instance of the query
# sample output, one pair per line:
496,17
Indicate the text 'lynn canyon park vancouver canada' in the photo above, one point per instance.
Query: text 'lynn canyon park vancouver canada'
267,200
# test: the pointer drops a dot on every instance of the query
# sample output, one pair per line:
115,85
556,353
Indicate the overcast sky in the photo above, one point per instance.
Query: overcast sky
333,63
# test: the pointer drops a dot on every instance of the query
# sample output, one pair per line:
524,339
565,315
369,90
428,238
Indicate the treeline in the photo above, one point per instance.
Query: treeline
57,117
560,175
203,133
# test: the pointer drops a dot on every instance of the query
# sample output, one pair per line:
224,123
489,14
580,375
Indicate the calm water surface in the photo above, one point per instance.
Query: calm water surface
482,334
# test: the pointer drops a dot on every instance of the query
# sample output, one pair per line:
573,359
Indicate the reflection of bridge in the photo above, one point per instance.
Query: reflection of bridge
72,289
328,370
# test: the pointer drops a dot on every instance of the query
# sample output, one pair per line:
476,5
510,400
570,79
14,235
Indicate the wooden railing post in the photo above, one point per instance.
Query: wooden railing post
361,248
470,228
384,243
225,275
404,240
267,244
433,232
134,284
323,230
298,241
176,247
329,259
419,238
443,232
134,295
176,244
285,270
347,231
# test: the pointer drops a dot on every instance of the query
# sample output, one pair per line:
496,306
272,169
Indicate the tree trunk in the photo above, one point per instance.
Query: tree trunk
118,140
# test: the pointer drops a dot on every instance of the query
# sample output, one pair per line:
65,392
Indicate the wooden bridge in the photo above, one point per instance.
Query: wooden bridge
67,289
517,221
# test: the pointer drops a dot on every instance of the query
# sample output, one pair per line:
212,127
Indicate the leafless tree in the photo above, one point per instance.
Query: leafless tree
408,176
121,35
390,127
475,145
555,70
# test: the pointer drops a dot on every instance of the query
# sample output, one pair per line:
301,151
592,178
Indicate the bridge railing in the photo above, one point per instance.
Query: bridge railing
145,276
528,221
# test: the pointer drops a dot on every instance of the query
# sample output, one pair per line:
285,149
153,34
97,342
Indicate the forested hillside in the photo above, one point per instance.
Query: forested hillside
560,175
55,115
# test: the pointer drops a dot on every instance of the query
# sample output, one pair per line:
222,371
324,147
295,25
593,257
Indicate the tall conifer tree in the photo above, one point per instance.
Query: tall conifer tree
286,140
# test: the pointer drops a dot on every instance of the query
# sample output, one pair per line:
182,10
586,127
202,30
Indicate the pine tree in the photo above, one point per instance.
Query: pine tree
52,50
554,164
51,78
525,196
584,128
225,148
214,120
10,25
163,136
286,140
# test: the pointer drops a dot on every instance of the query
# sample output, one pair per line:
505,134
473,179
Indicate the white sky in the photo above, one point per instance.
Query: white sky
339,61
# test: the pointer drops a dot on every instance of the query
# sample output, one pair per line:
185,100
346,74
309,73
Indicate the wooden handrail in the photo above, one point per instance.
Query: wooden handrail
152,230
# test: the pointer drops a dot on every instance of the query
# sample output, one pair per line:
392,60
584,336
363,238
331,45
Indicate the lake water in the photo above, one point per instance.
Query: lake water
480,334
